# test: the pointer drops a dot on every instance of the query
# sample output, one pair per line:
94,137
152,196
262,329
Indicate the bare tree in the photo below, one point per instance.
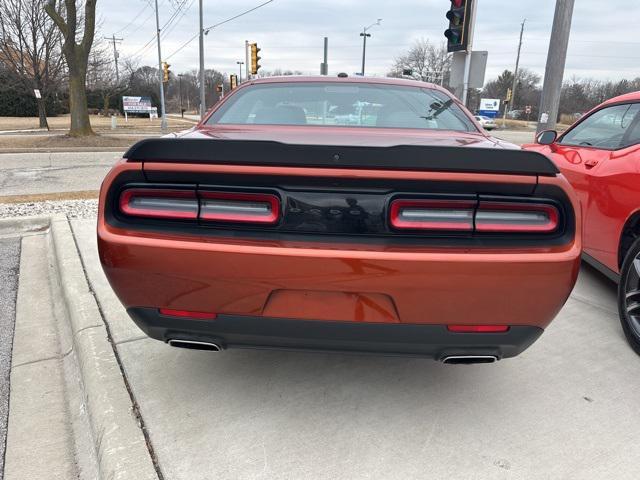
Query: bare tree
77,57
30,48
424,61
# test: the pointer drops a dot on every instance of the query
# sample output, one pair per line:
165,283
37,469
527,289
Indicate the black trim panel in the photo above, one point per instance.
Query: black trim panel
433,341
401,157
601,267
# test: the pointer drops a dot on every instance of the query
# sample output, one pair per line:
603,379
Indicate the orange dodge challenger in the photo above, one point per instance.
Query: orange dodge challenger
340,214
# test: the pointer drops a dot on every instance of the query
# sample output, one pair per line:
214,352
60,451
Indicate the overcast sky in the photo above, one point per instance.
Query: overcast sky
290,33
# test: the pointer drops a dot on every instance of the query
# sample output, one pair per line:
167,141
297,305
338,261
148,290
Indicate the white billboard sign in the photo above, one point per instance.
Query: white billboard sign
136,104
489,104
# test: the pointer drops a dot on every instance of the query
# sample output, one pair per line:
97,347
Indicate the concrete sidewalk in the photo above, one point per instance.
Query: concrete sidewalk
70,412
567,408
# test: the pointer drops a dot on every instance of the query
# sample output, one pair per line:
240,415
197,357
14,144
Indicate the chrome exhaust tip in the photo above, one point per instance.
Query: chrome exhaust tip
469,359
194,345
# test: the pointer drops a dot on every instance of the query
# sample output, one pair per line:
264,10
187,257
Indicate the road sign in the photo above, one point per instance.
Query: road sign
527,109
36,92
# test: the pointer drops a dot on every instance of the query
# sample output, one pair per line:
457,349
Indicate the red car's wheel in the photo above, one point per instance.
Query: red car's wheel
629,296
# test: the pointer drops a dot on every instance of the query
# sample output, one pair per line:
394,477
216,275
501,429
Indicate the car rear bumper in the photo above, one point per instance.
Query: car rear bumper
433,341
438,287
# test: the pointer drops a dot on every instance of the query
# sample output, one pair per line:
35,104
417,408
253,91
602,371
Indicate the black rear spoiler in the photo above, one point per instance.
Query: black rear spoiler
401,157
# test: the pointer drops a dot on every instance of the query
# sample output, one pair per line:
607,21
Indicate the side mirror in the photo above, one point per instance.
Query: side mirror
547,137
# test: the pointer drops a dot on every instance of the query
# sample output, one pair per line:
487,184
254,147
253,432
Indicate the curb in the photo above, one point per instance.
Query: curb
24,225
118,439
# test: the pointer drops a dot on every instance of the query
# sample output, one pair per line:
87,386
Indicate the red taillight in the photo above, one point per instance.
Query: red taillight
516,217
478,328
450,215
159,203
239,207
261,208
470,216
187,314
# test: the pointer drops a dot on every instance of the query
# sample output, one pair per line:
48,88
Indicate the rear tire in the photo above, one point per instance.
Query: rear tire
629,296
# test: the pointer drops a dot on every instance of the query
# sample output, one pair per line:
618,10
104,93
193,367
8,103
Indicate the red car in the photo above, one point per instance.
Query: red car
340,214
600,156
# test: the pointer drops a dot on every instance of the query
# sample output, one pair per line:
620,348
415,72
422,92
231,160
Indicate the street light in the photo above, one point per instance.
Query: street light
364,36
240,67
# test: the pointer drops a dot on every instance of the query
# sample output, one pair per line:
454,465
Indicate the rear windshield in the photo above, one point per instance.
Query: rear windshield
330,104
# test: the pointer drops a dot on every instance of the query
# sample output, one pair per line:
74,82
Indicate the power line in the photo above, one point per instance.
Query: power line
134,19
177,22
206,30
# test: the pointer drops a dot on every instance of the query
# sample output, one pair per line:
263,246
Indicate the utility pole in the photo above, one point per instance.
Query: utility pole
364,36
163,123
515,72
203,107
115,54
556,60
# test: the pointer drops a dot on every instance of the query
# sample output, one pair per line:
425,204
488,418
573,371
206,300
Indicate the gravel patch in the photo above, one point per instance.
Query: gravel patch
9,264
70,208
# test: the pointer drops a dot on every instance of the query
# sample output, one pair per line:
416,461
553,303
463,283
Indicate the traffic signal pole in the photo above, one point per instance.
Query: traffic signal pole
163,123
556,60
468,53
246,58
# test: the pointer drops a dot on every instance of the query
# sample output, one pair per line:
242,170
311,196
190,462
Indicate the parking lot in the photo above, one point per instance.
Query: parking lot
566,408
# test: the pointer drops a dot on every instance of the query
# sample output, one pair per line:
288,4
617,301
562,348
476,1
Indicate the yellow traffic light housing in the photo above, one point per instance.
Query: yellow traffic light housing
165,72
255,66
233,81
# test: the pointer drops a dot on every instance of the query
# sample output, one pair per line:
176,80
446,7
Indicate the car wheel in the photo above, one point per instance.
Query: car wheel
629,296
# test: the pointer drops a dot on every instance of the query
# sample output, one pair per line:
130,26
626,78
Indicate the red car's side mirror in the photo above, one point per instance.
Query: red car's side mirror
547,137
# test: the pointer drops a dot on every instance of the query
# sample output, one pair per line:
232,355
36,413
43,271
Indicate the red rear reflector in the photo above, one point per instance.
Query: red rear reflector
451,215
516,217
159,203
478,328
187,314
239,207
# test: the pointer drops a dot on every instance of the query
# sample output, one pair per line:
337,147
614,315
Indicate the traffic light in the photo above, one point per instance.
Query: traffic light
233,81
509,96
459,16
165,72
254,58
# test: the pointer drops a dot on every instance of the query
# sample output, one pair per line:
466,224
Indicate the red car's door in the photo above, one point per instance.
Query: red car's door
599,158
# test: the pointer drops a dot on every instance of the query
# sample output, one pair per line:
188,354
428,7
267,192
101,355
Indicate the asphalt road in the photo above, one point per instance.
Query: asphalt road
566,408
9,264
41,173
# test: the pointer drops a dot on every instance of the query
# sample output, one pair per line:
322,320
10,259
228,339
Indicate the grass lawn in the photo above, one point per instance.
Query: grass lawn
36,139
99,123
